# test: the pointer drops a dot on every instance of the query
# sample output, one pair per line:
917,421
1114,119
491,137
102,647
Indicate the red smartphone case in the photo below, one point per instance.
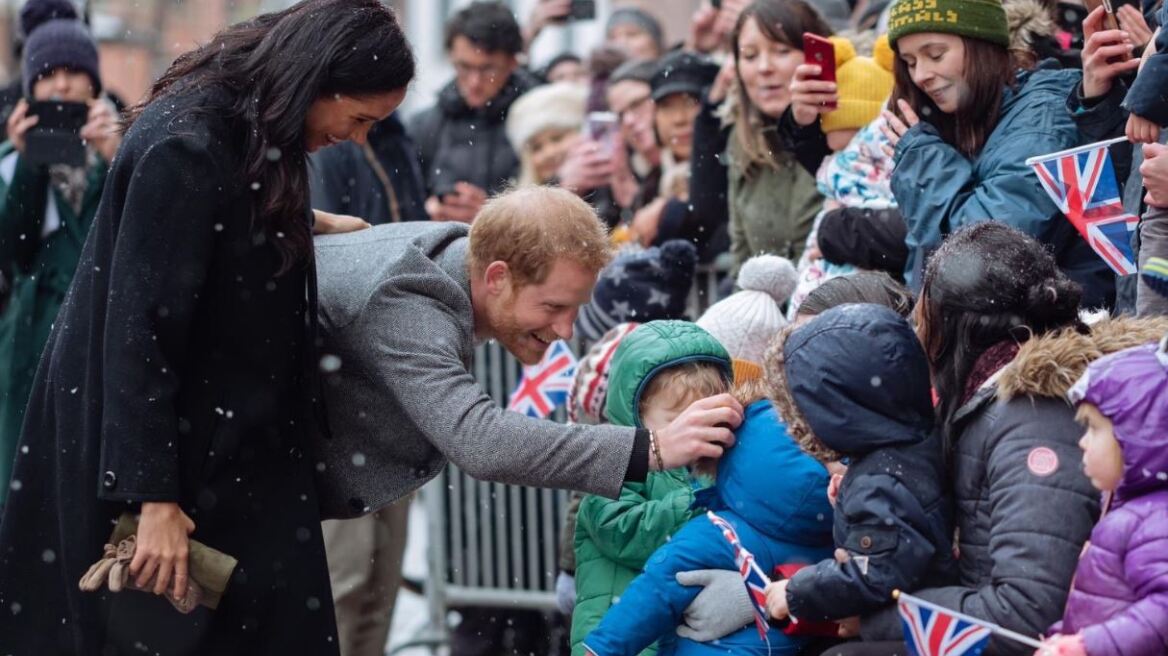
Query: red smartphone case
820,51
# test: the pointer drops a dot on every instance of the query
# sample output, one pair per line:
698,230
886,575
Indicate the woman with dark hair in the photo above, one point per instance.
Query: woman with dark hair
967,115
1001,330
773,201
179,381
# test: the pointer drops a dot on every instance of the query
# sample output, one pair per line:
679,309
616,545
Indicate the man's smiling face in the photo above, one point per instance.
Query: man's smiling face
526,319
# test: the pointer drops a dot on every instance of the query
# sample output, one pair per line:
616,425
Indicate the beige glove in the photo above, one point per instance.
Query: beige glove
114,570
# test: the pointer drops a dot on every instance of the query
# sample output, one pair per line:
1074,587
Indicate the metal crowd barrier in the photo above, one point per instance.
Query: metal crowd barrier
496,545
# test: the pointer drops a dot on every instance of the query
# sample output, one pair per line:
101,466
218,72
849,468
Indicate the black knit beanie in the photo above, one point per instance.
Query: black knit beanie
55,38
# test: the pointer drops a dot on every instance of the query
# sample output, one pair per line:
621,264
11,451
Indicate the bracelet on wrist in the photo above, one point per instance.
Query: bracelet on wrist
653,446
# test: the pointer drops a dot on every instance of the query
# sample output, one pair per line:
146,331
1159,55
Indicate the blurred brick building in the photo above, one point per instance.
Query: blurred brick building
140,38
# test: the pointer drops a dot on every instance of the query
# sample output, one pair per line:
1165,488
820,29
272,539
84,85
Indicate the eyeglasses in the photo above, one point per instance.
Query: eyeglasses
634,106
464,70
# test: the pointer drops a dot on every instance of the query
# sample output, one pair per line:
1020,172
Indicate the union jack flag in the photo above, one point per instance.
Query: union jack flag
1082,183
755,581
545,386
931,631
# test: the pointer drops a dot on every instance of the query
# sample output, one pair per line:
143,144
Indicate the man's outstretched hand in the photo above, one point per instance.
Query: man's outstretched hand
704,430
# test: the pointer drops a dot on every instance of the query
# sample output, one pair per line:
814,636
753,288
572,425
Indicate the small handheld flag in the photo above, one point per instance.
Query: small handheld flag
1081,181
932,630
756,582
545,386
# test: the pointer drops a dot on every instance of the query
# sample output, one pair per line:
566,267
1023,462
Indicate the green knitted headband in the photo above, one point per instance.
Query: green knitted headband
977,19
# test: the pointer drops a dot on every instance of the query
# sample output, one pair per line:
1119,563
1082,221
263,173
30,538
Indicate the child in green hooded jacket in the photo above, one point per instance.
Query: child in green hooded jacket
657,372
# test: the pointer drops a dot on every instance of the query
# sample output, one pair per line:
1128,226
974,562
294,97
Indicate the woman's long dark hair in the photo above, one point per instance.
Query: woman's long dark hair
989,69
986,284
274,67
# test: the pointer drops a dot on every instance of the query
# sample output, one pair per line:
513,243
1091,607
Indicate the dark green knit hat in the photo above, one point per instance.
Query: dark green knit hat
976,19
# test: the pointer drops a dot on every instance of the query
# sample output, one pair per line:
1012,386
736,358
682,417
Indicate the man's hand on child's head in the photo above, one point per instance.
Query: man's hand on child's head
703,430
776,600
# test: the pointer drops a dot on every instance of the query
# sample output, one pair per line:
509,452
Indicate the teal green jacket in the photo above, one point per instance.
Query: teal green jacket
40,268
614,539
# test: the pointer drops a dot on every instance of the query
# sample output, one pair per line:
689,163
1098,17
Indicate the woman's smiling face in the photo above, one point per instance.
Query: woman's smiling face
338,118
936,63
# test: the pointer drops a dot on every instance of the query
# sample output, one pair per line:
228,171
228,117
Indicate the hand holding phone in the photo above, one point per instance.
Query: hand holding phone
1109,22
604,129
820,51
19,123
1106,54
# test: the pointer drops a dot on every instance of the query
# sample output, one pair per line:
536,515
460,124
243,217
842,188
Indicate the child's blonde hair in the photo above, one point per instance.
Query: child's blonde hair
691,381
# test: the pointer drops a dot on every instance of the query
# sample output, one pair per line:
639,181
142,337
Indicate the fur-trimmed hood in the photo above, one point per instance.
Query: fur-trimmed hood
1029,22
1049,365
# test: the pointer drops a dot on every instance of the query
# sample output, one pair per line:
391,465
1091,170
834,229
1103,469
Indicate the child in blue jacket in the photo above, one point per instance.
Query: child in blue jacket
775,496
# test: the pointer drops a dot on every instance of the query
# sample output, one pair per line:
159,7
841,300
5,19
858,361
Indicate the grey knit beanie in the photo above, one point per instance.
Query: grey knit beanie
639,18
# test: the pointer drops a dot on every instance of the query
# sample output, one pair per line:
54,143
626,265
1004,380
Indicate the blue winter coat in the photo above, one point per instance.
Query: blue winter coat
775,496
940,190
859,377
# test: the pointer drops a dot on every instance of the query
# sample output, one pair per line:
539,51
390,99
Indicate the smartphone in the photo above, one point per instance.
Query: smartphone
582,10
1109,22
820,51
56,138
604,129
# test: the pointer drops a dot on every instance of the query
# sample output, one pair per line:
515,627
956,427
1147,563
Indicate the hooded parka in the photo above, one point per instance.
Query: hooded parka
615,538
939,189
1119,602
1024,508
775,497
859,377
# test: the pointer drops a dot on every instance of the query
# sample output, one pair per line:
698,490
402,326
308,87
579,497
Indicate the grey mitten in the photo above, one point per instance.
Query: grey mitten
721,608
566,593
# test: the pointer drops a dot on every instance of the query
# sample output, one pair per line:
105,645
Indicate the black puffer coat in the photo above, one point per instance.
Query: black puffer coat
458,143
859,378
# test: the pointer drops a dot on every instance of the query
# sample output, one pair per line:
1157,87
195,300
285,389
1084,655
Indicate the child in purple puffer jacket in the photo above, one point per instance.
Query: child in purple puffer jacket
1119,599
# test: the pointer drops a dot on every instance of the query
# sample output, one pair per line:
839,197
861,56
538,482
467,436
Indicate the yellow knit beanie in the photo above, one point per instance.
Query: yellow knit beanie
864,85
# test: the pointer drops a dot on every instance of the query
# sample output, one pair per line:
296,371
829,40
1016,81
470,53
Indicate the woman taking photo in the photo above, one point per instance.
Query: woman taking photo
967,115
178,381
773,201
46,204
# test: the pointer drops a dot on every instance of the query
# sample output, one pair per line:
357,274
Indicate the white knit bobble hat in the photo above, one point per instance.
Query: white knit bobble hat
746,321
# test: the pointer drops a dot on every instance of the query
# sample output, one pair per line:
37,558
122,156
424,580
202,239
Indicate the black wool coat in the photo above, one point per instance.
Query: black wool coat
175,372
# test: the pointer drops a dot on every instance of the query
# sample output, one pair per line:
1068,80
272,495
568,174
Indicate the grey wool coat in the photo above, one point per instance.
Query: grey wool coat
398,331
